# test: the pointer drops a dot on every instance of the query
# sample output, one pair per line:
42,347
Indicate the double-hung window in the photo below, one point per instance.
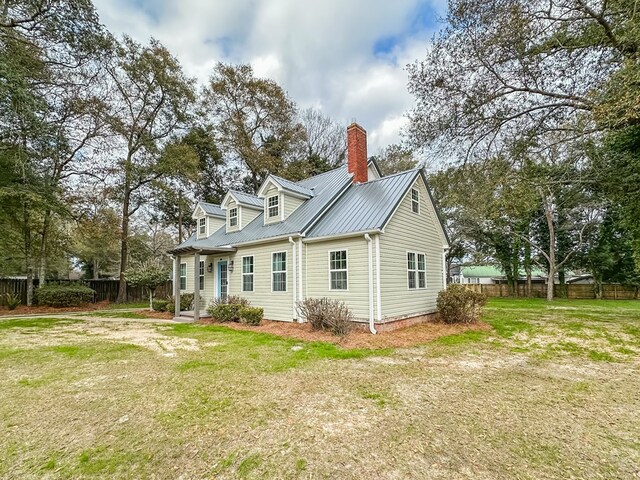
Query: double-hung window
338,270
183,276
273,206
202,226
247,274
416,270
279,272
233,217
415,200
201,275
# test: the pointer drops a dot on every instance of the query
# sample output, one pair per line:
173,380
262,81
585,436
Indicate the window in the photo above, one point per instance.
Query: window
247,274
279,272
416,270
201,276
415,200
233,217
202,226
422,271
183,276
338,270
273,204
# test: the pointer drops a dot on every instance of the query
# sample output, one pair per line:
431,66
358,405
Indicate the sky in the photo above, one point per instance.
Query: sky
346,58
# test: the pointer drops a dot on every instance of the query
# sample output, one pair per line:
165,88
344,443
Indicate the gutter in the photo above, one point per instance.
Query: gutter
295,282
372,327
343,235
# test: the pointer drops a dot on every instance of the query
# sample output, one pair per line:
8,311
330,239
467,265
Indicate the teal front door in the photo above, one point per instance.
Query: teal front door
223,280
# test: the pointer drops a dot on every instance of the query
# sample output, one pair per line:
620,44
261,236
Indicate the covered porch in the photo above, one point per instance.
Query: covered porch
218,277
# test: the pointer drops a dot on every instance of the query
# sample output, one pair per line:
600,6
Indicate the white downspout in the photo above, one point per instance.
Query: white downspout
300,290
295,283
372,327
444,268
378,294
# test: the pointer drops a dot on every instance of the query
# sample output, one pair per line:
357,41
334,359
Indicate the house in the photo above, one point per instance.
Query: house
374,242
490,275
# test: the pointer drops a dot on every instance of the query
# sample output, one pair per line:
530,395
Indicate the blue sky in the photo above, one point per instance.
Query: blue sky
346,58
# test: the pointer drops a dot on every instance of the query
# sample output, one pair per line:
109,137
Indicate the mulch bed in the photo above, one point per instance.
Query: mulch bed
405,337
34,310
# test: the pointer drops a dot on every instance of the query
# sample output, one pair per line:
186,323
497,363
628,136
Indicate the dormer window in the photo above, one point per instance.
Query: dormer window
202,226
233,217
273,206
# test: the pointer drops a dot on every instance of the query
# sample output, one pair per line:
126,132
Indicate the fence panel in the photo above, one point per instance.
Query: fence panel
574,291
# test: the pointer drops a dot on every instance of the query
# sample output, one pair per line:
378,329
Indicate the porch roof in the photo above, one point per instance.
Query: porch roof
191,249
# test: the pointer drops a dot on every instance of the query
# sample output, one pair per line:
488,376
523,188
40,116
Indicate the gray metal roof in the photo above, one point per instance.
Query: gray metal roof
326,187
365,206
247,199
212,209
293,187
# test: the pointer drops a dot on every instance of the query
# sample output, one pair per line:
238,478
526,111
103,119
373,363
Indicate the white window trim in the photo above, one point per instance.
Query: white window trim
286,276
406,261
202,269
277,206
180,277
237,217
338,270
412,200
202,225
253,282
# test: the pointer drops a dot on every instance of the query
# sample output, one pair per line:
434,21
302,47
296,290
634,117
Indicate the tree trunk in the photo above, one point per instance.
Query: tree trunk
527,267
180,217
42,271
548,213
96,269
26,218
124,245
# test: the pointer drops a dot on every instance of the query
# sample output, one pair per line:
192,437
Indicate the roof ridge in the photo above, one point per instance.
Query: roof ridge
243,193
209,203
412,170
319,174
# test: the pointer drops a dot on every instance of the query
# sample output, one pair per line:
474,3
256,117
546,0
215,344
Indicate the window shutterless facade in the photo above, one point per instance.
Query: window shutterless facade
415,200
247,274
416,270
202,226
279,272
338,272
233,217
273,206
183,276
201,276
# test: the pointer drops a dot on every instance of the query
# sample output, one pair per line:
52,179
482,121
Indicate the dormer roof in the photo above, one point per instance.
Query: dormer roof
212,209
282,184
244,199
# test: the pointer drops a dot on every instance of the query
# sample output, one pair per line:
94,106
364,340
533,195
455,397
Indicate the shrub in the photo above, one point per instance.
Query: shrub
225,312
13,300
251,315
186,301
327,314
458,304
64,295
160,305
234,299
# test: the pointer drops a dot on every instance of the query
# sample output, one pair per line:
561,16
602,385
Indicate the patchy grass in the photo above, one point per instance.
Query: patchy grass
116,315
112,306
105,399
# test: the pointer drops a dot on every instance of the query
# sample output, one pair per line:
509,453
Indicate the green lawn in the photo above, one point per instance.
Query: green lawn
550,392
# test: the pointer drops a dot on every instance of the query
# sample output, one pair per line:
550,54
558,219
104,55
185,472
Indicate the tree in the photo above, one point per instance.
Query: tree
151,100
395,158
325,141
149,274
96,240
504,69
254,120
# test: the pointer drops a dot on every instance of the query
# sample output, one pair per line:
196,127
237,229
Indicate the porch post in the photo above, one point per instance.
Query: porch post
176,285
196,286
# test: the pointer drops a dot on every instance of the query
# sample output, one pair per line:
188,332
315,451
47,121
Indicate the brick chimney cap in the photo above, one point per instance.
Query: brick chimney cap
356,125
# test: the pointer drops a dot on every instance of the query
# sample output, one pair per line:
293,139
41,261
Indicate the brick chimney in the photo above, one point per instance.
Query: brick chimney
357,153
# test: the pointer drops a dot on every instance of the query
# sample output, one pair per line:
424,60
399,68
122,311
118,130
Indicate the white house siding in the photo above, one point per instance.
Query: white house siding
248,214
214,224
209,291
316,273
277,305
407,231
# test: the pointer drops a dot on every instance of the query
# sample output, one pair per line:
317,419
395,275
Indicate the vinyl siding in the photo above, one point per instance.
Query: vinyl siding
248,214
209,291
316,273
277,305
290,204
271,191
407,231
214,224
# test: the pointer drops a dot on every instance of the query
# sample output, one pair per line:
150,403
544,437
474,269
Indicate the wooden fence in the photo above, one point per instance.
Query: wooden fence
105,289
578,291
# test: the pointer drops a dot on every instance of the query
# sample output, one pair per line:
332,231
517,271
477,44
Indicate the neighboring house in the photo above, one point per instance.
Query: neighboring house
374,242
487,274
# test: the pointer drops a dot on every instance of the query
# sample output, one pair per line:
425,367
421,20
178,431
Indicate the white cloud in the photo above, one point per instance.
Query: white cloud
322,53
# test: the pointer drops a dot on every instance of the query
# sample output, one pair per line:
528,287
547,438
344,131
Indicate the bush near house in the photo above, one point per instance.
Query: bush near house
327,314
186,300
230,299
251,315
458,304
225,312
64,295
160,305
